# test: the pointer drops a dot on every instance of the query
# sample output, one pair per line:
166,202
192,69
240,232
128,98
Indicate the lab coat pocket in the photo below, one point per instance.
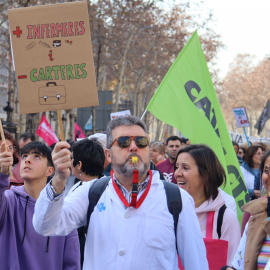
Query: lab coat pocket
158,234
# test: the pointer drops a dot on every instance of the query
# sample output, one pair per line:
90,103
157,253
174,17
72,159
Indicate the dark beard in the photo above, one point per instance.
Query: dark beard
126,169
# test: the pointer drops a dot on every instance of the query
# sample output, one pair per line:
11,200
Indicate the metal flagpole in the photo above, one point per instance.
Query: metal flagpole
143,114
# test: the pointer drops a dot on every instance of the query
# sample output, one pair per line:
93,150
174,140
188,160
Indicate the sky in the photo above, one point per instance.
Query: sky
244,28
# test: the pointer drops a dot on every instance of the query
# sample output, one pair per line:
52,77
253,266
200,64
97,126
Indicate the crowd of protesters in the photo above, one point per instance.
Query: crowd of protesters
53,187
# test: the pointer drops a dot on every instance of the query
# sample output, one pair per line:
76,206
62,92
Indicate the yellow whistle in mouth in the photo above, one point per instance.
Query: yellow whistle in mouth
134,160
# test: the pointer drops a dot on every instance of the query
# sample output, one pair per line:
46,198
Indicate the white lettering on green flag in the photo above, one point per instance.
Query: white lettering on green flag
186,99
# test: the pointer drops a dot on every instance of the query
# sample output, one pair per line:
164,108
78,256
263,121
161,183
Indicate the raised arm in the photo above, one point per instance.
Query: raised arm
62,163
56,214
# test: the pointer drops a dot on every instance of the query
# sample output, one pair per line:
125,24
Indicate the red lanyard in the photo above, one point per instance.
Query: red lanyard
134,203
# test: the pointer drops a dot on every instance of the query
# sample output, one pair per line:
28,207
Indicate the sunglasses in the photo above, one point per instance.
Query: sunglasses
125,141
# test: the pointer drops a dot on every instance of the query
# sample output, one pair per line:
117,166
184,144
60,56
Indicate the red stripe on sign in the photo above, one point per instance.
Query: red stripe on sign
22,77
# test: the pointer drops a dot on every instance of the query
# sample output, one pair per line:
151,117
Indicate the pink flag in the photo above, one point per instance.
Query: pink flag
46,132
78,133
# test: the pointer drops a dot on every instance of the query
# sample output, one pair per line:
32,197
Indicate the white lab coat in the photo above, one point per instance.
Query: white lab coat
126,238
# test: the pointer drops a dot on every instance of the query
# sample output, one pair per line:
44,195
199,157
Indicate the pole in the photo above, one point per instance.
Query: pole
246,136
62,138
143,114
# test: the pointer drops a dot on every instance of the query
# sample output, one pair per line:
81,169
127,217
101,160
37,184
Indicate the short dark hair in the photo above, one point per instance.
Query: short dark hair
91,154
128,120
173,138
41,148
9,136
208,164
251,151
184,140
25,136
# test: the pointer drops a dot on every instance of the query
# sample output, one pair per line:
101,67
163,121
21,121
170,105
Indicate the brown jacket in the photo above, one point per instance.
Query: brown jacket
258,228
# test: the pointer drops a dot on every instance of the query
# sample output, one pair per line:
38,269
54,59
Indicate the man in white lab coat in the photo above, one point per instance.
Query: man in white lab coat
126,231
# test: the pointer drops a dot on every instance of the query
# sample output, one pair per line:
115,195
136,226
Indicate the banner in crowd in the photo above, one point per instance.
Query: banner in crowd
46,132
78,133
186,99
263,118
53,57
241,138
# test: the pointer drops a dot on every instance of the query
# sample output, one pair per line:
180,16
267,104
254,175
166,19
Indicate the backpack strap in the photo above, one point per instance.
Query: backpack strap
173,194
94,195
174,202
220,219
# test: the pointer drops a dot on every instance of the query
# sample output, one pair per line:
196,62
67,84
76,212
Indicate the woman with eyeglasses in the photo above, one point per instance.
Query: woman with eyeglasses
250,168
199,172
253,251
12,145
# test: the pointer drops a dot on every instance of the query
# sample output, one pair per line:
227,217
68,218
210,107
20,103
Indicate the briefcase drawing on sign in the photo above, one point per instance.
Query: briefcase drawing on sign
52,94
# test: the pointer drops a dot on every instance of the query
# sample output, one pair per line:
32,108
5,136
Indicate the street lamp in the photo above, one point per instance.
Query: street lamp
9,110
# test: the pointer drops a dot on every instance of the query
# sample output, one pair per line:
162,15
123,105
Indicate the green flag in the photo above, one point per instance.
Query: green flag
186,99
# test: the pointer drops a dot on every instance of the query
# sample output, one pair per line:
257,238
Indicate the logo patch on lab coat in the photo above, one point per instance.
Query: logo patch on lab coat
101,207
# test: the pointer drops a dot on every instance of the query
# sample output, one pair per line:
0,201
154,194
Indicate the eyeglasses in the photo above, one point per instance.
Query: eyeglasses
125,141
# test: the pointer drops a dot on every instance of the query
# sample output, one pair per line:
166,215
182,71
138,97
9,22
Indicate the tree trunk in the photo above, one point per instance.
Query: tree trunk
72,117
22,123
67,128
93,111
36,121
159,131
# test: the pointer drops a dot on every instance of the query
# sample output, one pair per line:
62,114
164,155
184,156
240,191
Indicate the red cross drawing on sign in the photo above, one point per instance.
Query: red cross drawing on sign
18,31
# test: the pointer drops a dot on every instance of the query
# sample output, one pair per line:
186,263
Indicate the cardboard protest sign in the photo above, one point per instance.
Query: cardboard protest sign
53,57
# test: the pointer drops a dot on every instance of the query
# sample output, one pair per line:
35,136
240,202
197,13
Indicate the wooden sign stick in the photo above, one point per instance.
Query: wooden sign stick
62,137
4,140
